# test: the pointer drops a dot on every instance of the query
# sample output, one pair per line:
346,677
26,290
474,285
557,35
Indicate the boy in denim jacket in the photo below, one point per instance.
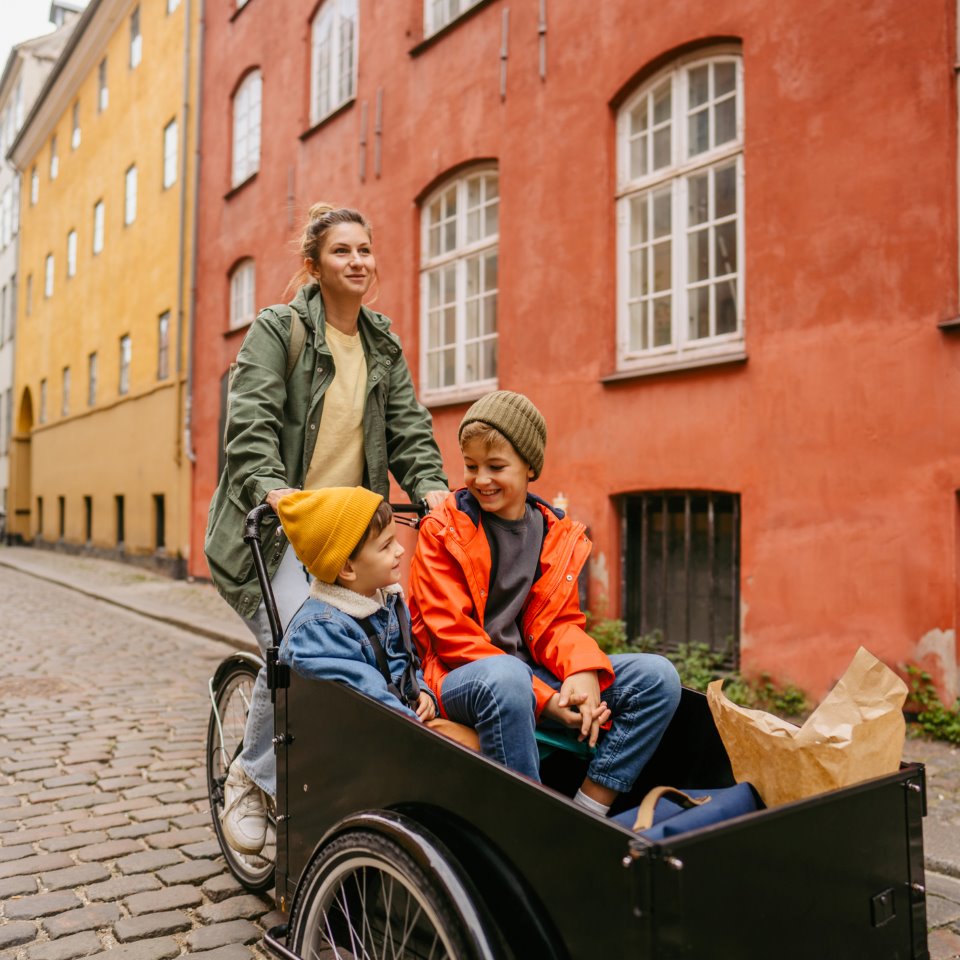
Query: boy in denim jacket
346,538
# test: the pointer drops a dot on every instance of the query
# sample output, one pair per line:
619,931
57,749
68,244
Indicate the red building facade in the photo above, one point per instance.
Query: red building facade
716,243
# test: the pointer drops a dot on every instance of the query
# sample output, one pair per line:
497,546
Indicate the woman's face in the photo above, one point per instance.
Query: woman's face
346,265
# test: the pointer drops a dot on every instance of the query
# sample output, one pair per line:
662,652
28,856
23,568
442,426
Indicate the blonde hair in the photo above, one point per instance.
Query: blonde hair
489,436
321,219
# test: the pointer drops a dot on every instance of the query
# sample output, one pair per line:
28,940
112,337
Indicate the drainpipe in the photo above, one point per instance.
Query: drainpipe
188,400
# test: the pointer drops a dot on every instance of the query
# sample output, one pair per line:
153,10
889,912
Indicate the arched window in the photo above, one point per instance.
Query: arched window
246,128
680,216
333,57
242,294
460,232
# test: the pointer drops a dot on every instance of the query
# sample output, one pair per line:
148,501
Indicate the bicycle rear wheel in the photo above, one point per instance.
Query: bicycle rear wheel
228,716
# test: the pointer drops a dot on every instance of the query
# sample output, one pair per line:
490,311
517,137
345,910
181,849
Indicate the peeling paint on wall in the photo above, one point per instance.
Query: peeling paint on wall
940,646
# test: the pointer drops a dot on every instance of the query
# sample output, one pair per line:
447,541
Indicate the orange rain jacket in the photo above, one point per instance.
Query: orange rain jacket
449,586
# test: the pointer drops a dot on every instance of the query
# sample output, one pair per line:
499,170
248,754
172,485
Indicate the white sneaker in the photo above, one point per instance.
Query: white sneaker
244,817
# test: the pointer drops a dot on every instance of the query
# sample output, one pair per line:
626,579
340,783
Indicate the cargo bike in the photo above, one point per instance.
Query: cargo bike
391,841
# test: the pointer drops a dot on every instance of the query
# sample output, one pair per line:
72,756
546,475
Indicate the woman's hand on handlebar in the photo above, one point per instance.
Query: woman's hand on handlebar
434,498
275,496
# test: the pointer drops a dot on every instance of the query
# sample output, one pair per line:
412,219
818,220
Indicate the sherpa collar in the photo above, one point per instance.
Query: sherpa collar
351,603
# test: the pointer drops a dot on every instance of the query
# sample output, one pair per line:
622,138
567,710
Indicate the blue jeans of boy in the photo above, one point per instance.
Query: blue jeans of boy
495,696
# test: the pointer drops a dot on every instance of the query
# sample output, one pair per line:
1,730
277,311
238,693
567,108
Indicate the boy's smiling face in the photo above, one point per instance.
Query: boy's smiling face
377,565
497,476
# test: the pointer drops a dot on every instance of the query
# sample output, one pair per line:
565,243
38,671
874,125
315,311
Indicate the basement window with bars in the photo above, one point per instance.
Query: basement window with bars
681,569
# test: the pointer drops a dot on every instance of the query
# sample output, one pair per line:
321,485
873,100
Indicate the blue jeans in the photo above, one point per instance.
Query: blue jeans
291,586
495,695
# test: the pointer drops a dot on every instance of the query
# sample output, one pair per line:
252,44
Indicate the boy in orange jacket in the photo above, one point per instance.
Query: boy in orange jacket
497,618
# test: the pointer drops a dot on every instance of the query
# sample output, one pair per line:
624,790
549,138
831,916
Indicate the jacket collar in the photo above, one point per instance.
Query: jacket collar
354,604
468,504
379,340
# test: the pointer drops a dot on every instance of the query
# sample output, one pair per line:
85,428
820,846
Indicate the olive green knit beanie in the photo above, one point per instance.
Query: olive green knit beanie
513,415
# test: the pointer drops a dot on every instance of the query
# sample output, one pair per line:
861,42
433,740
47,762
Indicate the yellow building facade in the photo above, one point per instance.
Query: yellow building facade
99,458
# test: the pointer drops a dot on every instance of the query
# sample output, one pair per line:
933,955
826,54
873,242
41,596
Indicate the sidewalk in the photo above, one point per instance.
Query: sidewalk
197,607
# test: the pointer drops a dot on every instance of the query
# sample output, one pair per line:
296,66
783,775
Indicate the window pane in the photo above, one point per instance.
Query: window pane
661,266
638,273
489,315
698,199
638,327
490,272
489,359
699,82
473,276
474,189
662,104
725,191
699,313
492,218
724,78
726,306
661,213
725,255
661,148
698,262
699,133
472,317
725,121
662,333
638,117
638,220
638,156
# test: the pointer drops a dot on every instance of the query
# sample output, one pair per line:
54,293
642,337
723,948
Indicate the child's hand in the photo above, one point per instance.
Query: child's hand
582,690
426,708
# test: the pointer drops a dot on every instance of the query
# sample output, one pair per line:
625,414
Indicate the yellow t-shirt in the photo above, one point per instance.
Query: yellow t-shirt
338,458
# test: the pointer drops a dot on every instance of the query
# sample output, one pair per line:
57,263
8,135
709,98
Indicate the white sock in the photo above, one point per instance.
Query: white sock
588,803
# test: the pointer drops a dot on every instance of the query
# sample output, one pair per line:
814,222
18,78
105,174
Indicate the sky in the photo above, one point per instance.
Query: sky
21,20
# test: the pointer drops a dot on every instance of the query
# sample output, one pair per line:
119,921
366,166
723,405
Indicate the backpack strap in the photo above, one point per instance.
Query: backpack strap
411,688
298,334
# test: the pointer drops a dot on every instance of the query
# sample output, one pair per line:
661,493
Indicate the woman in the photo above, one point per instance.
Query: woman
333,407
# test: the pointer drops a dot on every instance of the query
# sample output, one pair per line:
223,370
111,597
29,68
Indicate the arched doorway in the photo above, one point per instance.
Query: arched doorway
19,525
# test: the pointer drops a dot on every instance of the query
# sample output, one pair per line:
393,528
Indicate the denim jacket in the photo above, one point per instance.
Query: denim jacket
325,642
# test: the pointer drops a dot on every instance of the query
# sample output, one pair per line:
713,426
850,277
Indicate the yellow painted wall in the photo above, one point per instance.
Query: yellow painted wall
128,445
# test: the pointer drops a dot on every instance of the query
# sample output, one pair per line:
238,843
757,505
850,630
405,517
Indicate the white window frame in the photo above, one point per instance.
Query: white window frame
103,88
72,253
130,195
459,257
243,280
126,354
136,39
673,180
75,135
65,396
98,221
247,106
438,13
334,45
54,158
48,270
170,141
163,346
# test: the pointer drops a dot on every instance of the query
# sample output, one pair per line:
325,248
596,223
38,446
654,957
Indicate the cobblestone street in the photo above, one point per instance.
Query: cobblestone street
105,841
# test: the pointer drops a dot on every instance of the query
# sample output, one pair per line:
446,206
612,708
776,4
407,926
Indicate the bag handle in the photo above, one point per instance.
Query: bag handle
645,814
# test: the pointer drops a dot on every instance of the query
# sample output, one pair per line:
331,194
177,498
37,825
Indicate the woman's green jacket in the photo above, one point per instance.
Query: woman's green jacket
272,425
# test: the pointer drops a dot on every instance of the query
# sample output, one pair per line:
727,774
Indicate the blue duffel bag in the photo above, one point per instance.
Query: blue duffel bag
666,811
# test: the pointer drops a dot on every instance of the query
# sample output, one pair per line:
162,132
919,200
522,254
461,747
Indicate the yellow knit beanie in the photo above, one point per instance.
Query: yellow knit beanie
323,526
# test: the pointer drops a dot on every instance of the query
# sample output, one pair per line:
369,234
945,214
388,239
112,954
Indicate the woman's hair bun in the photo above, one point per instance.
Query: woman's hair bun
319,209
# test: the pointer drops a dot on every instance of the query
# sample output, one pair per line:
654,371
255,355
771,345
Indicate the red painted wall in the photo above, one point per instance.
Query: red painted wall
840,432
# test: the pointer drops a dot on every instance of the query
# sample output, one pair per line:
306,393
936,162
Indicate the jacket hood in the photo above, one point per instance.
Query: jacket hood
468,504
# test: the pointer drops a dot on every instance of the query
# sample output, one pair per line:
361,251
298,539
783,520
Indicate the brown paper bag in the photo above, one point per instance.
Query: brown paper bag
856,733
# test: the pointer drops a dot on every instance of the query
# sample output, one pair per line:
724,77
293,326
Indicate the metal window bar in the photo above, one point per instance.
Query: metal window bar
696,556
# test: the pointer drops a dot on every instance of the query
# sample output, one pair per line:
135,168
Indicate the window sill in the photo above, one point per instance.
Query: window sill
326,118
233,191
453,397
427,42
676,365
950,326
